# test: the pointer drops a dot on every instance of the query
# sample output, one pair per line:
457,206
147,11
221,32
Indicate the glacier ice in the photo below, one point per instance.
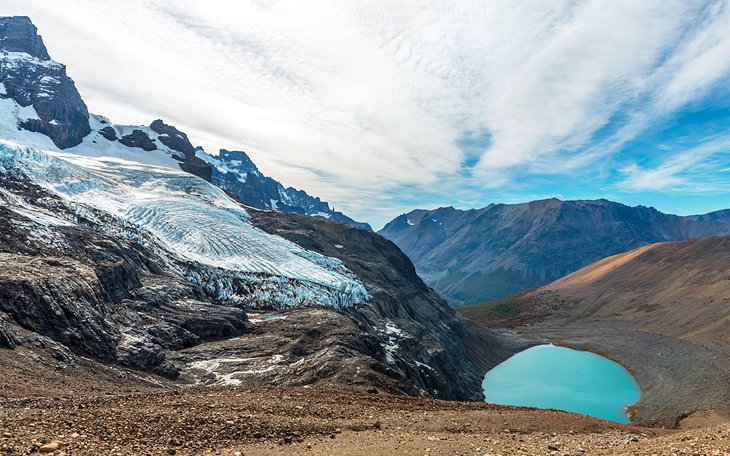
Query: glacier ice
194,222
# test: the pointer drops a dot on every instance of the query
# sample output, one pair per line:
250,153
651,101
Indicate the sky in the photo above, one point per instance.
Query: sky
381,107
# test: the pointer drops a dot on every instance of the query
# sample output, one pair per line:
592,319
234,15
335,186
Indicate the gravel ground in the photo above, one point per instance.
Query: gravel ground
258,420
94,410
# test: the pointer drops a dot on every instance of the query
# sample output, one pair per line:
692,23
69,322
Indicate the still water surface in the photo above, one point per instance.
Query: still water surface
548,376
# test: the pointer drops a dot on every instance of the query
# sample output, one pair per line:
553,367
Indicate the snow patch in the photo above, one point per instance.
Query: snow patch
216,365
391,346
393,330
13,59
326,215
27,113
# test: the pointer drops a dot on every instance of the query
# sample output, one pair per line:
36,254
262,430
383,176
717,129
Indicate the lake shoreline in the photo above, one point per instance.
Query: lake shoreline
676,377
550,376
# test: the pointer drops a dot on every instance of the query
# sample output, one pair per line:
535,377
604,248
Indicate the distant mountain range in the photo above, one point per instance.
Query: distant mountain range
722,216
479,255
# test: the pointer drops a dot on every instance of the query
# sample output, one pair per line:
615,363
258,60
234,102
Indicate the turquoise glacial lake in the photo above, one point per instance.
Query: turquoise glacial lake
552,377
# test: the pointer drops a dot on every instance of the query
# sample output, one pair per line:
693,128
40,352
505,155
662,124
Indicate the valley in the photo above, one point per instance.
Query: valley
661,311
156,298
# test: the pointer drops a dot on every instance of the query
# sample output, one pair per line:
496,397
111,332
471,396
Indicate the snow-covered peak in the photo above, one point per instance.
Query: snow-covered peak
33,80
235,163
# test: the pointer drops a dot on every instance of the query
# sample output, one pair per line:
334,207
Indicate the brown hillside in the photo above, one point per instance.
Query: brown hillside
681,289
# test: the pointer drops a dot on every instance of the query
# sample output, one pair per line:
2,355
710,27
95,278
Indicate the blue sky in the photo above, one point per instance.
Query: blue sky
381,107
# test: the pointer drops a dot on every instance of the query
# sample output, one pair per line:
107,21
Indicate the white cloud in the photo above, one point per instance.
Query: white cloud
357,101
692,170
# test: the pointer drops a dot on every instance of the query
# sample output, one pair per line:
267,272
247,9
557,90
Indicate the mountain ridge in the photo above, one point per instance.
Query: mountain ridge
485,254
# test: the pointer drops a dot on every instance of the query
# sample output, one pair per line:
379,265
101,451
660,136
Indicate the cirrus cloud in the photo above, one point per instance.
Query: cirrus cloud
379,106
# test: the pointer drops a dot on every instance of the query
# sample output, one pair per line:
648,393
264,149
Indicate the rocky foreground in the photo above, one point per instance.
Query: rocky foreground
100,411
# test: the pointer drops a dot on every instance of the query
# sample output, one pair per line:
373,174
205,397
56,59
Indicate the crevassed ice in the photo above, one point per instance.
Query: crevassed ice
188,216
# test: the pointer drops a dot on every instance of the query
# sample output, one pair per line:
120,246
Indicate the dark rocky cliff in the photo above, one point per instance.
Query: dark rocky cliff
431,346
18,34
177,140
31,78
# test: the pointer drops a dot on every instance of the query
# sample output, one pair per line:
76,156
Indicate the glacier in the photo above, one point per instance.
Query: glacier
207,234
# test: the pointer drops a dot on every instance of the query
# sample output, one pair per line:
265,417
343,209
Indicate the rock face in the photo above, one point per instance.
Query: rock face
680,289
34,81
234,172
108,133
423,339
18,34
481,255
177,140
138,138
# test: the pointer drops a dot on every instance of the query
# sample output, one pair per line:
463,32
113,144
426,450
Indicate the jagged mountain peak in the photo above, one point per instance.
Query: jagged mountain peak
50,103
18,34
236,173
172,137
238,158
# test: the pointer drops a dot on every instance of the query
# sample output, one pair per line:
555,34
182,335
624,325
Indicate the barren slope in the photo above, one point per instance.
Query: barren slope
679,289
660,310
